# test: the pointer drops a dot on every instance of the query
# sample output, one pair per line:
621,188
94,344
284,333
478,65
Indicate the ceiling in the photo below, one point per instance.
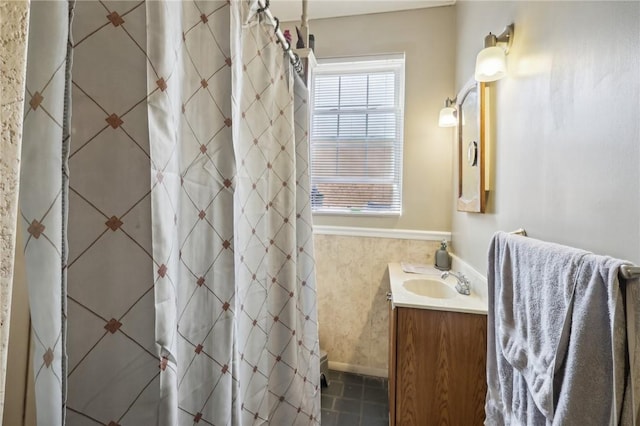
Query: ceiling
291,10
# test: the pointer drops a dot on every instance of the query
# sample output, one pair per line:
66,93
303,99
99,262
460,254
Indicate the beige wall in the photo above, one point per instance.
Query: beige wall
352,288
427,37
567,134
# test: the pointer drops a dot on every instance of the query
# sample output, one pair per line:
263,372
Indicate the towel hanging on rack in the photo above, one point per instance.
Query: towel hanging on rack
555,354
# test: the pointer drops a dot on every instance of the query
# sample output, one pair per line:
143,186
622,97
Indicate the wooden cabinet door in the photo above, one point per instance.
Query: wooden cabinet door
440,368
392,364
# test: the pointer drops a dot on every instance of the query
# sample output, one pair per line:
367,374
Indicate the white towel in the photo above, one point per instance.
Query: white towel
556,335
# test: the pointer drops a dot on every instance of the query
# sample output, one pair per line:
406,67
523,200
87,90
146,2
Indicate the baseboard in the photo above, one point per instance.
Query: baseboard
358,369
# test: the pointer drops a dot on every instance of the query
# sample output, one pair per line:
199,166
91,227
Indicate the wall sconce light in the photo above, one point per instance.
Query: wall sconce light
448,114
491,62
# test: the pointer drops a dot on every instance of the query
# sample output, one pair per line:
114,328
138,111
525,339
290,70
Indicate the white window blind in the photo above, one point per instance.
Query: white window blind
356,136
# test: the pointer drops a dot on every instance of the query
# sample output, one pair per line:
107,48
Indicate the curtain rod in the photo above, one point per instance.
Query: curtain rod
286,46
628,272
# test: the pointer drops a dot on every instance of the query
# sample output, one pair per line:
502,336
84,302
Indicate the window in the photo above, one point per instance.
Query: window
356,136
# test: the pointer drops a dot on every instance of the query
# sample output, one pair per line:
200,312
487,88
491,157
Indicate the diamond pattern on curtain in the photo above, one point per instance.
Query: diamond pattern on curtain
113,375
229,256
277,339
43,196
189,82
307,303
235,325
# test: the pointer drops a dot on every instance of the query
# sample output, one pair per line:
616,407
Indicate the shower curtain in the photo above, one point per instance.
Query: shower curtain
43,199
191,287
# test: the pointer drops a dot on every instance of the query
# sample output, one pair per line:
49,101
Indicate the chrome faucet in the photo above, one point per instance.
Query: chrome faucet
463,286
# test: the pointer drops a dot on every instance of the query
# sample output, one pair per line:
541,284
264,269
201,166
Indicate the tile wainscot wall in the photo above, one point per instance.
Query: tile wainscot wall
352,296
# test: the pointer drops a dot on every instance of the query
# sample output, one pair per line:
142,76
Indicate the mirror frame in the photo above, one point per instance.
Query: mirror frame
477,204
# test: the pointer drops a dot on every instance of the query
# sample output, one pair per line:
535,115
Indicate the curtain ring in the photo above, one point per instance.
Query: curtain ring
297,65
266,6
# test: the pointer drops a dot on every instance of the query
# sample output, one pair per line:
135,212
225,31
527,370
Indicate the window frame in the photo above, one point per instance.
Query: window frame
359,65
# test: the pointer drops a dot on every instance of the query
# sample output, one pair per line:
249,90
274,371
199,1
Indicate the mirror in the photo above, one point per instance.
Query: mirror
471,147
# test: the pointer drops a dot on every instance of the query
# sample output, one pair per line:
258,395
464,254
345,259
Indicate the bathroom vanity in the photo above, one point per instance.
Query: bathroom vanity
437,351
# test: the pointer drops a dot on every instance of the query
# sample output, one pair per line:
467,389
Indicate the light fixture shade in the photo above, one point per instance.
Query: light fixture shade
448,117
491,64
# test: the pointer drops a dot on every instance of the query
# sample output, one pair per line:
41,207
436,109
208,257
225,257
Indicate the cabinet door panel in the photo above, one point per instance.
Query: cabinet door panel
440,359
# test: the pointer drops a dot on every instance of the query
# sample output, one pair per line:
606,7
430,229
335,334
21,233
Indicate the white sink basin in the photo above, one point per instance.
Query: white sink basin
429,288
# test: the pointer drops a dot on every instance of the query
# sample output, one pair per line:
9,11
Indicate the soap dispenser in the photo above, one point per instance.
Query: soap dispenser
443,260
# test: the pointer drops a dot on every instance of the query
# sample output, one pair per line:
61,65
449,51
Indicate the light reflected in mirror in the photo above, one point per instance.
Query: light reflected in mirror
471,147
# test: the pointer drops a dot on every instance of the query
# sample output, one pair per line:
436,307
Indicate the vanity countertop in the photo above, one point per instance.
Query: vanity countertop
401,297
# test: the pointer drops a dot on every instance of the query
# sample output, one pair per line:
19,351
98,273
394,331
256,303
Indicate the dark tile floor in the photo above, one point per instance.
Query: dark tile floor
355,400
